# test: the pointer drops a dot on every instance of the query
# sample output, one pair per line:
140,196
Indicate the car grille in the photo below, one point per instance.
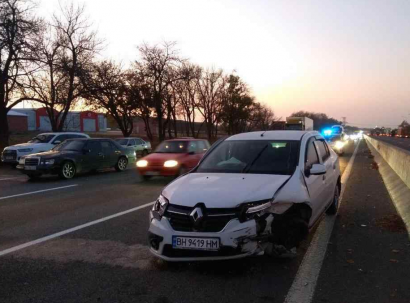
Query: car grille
10,153
225,251
31,161
215,219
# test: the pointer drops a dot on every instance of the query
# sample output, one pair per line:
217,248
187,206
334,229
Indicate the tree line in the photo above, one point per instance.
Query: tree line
56,63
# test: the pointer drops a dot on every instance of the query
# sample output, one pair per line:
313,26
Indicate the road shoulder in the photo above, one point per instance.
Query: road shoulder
368,256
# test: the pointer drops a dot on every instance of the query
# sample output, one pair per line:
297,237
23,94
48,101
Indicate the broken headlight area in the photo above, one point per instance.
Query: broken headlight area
160,207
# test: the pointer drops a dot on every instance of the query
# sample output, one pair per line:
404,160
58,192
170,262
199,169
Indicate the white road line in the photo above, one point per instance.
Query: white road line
304,285
37,191
10,178
70,230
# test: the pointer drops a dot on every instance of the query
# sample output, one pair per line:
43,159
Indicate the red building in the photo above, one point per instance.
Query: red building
17,121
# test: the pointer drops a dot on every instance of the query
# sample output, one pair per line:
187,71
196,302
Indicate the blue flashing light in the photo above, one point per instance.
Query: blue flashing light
327,132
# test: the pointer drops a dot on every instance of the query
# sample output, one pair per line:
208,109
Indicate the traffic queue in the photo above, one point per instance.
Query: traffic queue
68,153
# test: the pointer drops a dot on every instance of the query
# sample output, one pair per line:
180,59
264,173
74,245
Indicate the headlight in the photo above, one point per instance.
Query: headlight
170,163
142,163
339,144
160,205
259,208
48,162
25,150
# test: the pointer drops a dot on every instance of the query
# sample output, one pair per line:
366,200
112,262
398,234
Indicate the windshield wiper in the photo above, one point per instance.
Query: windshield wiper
248,166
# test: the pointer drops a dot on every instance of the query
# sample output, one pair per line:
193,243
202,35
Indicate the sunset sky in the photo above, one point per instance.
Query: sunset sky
345,58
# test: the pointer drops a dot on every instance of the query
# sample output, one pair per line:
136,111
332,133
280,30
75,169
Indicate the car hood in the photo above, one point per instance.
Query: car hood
27,145
217,190
162,157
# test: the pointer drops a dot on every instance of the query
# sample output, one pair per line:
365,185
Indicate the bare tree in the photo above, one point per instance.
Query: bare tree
105,86
140,94
262,117
18,30
186,91
211,87
67,48
158,64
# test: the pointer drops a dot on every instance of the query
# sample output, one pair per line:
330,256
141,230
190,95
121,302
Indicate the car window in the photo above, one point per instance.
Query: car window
324,154
138,142
311,154
122,141
253,157
193,147
94,146
42,139
74,145
107,147
202,148
61,138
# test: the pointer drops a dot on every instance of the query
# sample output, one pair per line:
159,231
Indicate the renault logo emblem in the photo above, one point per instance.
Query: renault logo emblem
197,215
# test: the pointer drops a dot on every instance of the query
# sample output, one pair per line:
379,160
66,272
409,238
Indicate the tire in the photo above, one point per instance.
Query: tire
144,152
121,164
33,177
146,178
332,210
67,170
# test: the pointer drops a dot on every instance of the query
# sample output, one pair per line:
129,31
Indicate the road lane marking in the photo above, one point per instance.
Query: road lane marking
304,284
38,191
70,230
10,178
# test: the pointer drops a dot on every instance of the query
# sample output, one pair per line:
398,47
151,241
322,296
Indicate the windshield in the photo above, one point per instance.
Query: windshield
253,157
42,139
172,147
74,145
122,141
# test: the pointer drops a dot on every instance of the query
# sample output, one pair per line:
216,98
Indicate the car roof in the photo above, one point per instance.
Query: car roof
185,139
64,133
273,135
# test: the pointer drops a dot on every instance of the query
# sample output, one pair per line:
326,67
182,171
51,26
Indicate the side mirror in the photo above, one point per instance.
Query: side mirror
191,153
318,169
56,142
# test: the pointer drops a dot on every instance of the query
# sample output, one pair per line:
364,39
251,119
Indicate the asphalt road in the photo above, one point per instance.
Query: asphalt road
400,142
110,261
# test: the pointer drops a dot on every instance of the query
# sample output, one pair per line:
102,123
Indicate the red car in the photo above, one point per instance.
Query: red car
173,158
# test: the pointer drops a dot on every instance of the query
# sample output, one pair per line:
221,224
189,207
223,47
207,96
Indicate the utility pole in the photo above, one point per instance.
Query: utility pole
344,121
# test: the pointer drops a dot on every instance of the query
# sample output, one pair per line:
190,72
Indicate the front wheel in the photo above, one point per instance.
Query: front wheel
121,164
332,210
67,170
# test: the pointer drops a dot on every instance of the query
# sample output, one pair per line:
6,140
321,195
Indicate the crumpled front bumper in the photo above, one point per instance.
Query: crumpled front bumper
235,241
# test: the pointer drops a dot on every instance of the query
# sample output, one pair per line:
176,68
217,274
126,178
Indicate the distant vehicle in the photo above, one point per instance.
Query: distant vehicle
140,146
337,129
299,123
173,158
249,195
40,143
77,155
337,143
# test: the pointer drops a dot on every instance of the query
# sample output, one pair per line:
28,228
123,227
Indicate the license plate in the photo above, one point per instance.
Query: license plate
30,167
9,158
195,243
152,173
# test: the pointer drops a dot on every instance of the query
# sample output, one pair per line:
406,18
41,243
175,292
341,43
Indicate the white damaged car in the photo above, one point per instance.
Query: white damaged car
251,194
